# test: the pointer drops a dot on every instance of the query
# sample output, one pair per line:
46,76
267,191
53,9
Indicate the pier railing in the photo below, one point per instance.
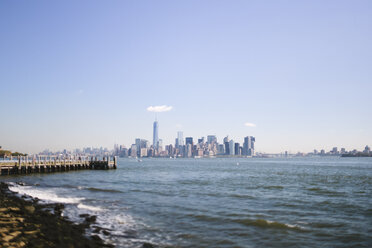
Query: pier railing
32,164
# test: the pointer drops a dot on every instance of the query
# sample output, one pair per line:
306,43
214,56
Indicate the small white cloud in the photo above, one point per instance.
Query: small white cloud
248,124
162,108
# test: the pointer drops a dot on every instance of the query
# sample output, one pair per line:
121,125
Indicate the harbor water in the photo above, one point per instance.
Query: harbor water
221,202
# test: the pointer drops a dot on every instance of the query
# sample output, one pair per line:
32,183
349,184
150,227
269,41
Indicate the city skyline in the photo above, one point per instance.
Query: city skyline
295,75
186,147
156,139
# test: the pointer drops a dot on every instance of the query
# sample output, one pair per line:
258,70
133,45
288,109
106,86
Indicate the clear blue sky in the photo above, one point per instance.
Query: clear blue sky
82,73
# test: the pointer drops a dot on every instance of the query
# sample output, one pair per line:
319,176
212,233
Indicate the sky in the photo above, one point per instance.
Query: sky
78,74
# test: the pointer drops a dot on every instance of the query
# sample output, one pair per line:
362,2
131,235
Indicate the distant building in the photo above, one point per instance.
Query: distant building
227,148
231,147
181,151
367,149
180,138
133,151
248,146
160,145
334,150
155,142
189,140
199,152
211,139
237,149
188,150
221,149
138,146
143,152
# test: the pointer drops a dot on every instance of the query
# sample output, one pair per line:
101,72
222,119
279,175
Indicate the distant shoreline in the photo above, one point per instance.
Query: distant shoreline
357,155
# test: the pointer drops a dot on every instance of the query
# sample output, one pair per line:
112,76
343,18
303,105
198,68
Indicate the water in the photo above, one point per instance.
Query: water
301,202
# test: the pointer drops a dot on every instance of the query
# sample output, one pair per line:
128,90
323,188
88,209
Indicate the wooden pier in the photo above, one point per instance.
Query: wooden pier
48,164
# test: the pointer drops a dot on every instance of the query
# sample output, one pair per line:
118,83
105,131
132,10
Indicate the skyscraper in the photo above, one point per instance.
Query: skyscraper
155,142
231,147
138,146
211,139
237,149
180,138
248,146
189,140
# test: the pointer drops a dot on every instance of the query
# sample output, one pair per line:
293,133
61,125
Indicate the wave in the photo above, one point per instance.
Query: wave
202,217
273,187
92,188
241,196
91,208
44,195
268,224
102,190
327,224
325,191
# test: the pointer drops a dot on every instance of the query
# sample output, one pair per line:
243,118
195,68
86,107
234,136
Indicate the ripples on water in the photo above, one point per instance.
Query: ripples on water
308,202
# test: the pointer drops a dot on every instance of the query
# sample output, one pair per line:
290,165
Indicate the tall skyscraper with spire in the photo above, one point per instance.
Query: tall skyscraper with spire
180,138
156,134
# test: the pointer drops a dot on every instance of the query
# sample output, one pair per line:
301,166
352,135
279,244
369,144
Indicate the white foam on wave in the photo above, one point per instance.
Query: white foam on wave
117,221
44,195
119,224
90,208
285,224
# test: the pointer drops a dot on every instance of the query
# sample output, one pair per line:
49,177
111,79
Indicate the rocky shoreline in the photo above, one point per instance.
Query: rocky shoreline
26,223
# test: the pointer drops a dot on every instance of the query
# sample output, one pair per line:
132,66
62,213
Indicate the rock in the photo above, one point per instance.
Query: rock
91,219
96,237
147,245
31,232
30,209
7,238
21,244
14,209
15,234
